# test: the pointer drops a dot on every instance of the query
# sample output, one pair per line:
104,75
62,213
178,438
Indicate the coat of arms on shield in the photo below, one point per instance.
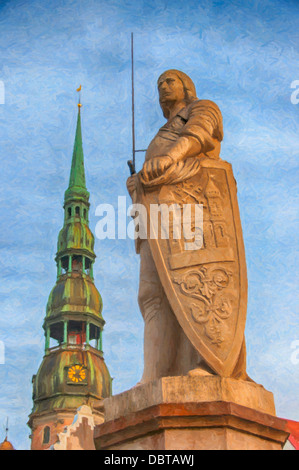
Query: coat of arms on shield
206,285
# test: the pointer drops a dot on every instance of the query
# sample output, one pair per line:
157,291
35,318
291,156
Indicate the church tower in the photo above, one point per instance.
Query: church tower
73,372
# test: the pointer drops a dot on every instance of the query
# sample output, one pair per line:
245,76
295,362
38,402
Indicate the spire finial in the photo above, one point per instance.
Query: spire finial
6,429
77,185
79,91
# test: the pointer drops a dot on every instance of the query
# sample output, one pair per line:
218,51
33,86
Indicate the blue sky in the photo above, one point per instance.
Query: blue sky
241,54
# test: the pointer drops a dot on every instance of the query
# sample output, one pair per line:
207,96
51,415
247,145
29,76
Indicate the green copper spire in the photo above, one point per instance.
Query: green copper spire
75,238
73,371
77,184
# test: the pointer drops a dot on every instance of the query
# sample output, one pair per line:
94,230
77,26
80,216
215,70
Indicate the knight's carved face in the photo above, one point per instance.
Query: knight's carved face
170,88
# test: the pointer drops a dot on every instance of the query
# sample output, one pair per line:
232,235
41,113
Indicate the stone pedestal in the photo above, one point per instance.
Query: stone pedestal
192,413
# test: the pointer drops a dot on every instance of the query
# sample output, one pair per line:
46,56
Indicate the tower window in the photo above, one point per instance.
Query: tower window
76,333
46,436
85,213
87,266
94,337
56,335
77,263
69,211
77,210
64,264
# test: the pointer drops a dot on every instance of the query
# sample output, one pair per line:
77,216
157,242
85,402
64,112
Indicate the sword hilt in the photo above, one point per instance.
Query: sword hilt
132,167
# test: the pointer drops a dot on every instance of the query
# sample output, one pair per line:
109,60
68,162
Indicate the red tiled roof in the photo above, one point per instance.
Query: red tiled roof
293,429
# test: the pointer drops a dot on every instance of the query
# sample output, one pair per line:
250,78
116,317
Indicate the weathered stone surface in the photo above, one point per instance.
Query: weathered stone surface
192,296
189,390
192,413
195,392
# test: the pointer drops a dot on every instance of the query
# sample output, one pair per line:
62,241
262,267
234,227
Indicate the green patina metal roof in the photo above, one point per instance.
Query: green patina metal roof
76,235
52,390
75,294
74,297
77,184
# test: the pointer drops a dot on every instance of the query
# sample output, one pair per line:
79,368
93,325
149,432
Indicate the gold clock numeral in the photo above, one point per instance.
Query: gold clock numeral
77,373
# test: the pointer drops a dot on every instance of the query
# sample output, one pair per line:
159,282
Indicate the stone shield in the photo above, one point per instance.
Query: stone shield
207,286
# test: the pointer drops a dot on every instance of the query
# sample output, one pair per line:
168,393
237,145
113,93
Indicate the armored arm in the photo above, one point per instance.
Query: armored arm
202,129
